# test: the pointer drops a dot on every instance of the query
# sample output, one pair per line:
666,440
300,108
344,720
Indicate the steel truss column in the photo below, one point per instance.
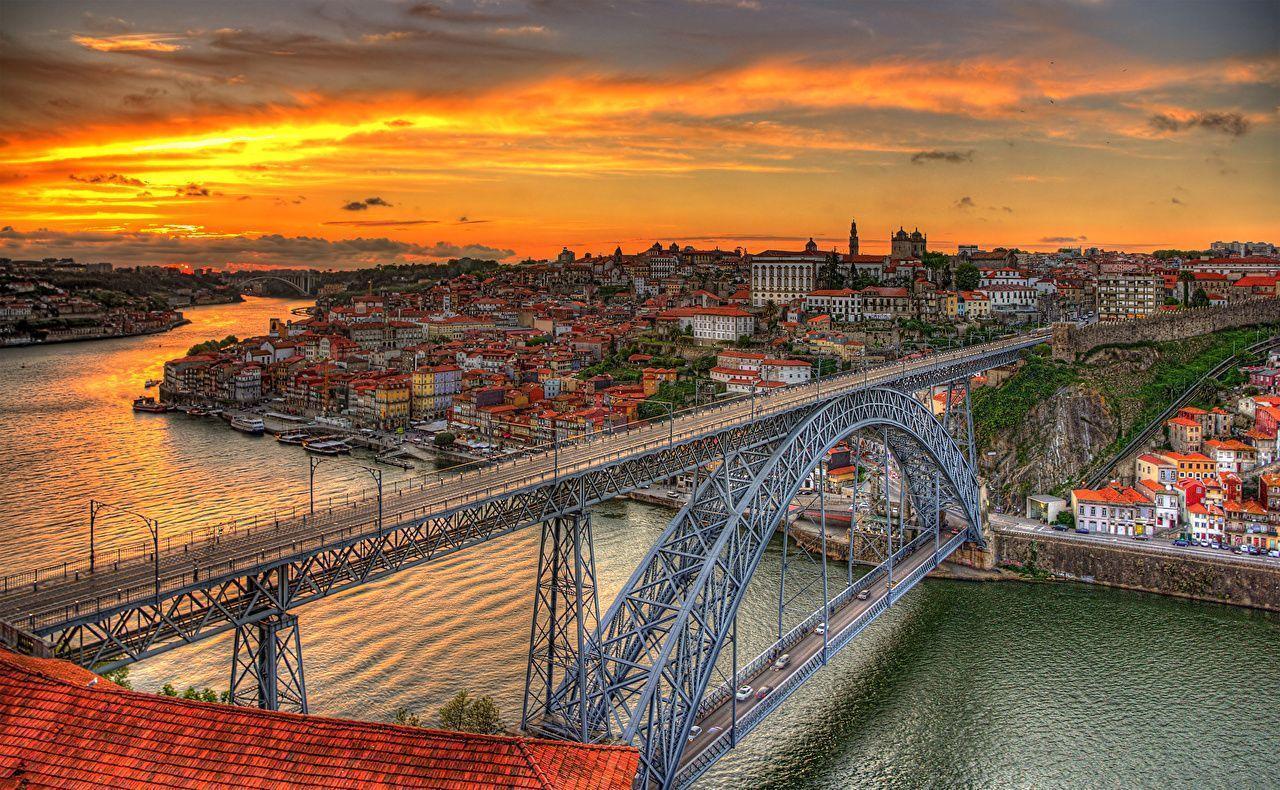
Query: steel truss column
566,616
266,665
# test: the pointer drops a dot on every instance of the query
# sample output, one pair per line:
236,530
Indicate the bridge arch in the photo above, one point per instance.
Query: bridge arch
660,641
265,277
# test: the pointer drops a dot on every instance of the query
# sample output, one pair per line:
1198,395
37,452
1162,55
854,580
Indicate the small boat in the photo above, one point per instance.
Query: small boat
151,383
327,446
292,437
390,460
250,425
150,405
196,411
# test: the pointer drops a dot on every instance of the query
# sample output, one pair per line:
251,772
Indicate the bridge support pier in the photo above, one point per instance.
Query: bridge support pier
566,620
266,665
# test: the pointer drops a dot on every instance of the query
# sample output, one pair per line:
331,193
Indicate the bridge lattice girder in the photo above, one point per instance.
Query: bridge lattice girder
663,634
106,635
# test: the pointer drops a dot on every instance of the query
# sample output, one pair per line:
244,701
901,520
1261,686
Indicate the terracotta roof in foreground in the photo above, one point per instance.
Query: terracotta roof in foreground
59,731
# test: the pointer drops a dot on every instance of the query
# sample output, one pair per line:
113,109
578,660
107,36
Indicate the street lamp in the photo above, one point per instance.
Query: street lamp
376,474
671,420
153,526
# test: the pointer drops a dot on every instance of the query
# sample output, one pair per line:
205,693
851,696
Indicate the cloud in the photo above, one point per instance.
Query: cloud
1176,201
374,223
1232,124
361,205
132,42
465,220
965,202
192,190
397,122
212,249
953,157
1062,239
109,178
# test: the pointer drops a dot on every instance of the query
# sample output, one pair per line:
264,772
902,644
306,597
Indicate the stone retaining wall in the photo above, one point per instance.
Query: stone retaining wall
1070,342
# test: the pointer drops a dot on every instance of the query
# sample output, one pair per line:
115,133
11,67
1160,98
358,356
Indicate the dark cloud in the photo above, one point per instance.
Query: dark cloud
953,157
1176,202
192,190
361,205
109,178
1229,123
271,249
965,202
438,12
1062,239
397,122
465,220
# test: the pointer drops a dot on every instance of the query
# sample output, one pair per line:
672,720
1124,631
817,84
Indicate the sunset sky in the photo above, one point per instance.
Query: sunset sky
334,134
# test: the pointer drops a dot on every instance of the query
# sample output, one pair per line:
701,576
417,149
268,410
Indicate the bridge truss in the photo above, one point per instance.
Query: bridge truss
668,626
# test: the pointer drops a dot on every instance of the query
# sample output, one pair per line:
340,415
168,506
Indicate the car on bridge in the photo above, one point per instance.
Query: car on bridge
744,693
782,661
763,692
694,732
864,594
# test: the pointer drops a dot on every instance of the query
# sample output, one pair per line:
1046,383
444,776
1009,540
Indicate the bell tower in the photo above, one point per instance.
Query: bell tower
853,237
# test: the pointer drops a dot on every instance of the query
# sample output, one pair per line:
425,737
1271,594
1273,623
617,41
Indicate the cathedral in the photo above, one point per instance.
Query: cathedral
903,245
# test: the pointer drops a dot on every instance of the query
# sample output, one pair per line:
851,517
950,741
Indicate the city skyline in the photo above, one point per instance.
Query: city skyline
342,135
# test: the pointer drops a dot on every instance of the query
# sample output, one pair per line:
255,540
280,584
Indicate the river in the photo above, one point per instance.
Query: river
960,685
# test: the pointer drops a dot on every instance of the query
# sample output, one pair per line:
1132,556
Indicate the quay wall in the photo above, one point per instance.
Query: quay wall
1070,342
1208,578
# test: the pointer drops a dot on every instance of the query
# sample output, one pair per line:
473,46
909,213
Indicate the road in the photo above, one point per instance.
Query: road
723,715
39,604
1007,523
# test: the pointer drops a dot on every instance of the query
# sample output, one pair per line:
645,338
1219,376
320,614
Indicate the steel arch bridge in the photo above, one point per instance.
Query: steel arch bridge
644,675
291,280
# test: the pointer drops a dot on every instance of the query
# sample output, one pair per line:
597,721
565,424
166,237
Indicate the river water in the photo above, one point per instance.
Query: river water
961,685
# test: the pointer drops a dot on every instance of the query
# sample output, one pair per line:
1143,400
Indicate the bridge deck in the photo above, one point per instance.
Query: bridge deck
44,604
806,650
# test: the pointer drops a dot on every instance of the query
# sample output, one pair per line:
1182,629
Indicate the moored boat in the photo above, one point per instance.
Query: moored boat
148,404
196,411
327,446
249,425
151,383
292,437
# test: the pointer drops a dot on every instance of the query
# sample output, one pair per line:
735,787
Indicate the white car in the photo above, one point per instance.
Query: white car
694,732
744,692
1274,553
782,661
820,629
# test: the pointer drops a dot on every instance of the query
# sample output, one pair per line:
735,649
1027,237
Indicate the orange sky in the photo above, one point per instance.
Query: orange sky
344,135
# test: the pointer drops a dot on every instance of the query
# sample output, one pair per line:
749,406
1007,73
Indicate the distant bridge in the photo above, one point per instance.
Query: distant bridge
644,673
301,280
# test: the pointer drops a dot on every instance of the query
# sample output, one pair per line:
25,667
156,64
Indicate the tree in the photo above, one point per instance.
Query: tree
1200,299
465,714
1065,518
967,277
405,717
444,439
830,276
1186,278
120,677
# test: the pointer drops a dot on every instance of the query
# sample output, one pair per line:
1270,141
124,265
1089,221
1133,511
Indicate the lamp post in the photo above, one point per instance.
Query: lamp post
376,474
153,526
671,420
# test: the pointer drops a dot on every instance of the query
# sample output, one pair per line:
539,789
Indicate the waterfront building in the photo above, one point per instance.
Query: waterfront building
782,276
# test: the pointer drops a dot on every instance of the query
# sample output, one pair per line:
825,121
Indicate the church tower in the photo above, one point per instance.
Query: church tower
853,237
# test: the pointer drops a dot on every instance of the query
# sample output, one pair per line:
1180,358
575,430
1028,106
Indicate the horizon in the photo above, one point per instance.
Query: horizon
347,135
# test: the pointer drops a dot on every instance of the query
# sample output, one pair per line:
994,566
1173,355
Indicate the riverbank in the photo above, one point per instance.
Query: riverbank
47,341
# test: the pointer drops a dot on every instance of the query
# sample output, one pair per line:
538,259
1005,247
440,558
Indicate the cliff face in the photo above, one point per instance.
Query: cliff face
1059,438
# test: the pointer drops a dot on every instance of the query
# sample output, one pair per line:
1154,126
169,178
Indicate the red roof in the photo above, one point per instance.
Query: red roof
58,731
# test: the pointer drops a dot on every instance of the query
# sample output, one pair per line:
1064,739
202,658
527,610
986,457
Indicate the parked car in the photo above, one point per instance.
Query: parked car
1274,553
1059,527
1082,530
864,594
782,661
673,495
1215,545
694,732
644,485
763,692
744,692
1180,542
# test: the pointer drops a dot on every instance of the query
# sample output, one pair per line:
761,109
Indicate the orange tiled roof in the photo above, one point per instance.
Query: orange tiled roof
59,731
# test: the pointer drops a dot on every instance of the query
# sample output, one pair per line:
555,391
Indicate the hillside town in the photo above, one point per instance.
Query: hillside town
518,355
59,300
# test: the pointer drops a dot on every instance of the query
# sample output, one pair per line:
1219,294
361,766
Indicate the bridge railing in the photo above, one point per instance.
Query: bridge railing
196,552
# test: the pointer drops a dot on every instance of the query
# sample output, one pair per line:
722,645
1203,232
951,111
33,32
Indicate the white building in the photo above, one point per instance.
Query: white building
722,324
780,276
785,371
843,305
1114,510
